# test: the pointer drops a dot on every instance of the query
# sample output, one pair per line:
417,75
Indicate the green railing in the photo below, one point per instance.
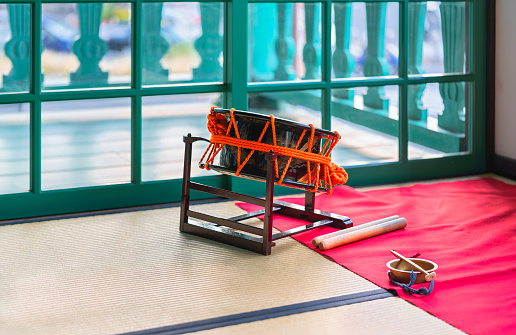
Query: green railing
319,76
17,49
449,135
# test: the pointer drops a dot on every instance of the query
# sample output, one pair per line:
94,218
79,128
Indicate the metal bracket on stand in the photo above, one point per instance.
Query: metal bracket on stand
233,232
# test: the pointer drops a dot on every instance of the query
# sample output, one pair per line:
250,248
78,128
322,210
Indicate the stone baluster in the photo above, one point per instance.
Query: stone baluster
453,23
89,47
209,45
311,55
154,46
17,49
284,45
343,61
375,63
417,13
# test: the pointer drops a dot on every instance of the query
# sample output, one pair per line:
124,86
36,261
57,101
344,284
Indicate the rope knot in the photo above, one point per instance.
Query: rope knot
337,174
217,123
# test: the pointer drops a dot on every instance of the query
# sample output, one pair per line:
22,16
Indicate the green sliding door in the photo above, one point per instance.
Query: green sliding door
95,97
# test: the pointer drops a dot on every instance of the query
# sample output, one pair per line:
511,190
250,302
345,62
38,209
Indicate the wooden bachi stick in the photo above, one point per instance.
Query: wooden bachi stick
428,276
316,241
362,234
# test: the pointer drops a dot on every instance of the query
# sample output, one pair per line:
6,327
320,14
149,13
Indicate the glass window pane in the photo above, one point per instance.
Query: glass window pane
15,47
437,119
300,106
182,42
14,148
86,45
438,37
284,41
367,121
85,143
166,119
365,39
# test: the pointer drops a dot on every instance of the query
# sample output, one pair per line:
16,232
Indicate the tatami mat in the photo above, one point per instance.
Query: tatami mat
131,271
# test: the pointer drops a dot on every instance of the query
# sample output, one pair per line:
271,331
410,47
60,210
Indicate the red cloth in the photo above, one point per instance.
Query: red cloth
467,227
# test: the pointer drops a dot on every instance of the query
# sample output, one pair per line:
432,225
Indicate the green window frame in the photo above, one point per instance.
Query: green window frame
235,88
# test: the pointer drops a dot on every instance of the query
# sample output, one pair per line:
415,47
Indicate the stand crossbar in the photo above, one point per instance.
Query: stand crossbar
233,232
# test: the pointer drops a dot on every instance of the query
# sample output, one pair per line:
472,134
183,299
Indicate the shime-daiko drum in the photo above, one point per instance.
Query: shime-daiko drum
268,149
243,139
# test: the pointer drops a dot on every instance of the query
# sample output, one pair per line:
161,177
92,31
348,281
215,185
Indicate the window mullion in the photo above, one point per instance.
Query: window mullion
35,110
136,101
403,89
236,54
326,64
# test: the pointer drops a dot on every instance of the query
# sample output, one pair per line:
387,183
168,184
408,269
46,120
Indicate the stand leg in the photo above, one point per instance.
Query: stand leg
269,198
185,195
309,201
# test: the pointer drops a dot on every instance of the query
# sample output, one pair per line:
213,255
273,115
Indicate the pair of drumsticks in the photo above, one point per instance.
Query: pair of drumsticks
358,233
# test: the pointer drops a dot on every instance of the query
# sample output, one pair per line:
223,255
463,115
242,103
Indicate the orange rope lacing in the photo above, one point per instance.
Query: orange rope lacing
325,172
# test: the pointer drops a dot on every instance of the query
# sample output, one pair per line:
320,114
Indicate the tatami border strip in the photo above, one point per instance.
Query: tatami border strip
269,313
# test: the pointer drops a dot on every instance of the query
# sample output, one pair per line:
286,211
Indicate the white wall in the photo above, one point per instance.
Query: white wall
505,82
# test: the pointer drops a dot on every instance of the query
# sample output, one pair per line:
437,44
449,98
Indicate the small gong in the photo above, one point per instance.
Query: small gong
400,269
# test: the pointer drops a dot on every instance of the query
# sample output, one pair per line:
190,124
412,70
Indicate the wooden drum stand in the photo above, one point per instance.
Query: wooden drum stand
245,236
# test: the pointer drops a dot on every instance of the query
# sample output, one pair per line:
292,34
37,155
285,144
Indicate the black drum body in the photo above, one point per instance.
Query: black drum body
250,126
